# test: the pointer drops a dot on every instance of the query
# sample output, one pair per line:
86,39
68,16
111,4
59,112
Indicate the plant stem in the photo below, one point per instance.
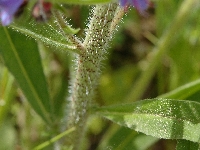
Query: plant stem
62,24
88,66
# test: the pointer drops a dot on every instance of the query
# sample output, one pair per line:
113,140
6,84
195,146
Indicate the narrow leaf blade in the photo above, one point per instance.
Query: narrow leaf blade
48,33
162,118
23,61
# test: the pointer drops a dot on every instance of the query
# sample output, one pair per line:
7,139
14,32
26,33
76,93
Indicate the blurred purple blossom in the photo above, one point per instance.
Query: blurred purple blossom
8,8
140,5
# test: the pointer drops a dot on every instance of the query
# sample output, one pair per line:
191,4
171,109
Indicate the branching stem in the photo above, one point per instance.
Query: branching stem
62,24
88,66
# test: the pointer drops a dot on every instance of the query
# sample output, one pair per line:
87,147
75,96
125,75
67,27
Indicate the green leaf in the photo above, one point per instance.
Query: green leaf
187,145
22,58
70,30
48,33
162,118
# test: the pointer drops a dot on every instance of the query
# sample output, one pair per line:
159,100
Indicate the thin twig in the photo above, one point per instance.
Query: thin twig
62,24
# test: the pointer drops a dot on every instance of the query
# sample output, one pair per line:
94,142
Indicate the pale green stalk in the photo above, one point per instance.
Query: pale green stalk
88,67
54,139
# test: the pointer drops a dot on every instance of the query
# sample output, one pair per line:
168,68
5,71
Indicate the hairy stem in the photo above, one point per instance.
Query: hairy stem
62,24
88,66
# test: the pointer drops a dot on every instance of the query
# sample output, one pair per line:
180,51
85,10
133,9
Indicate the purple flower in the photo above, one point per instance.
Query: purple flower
140,5
8,8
